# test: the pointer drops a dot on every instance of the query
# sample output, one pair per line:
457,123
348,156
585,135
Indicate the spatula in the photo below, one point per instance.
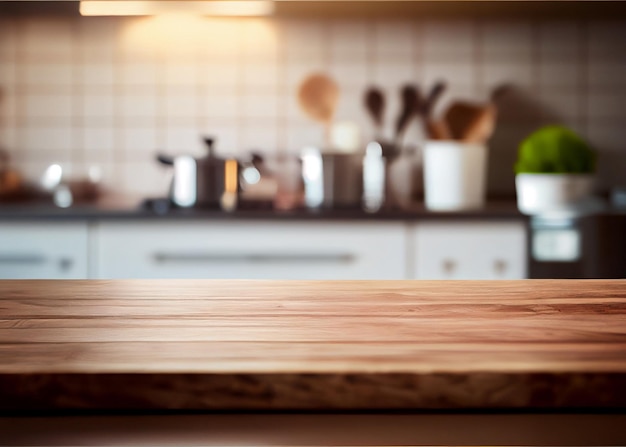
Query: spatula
375,105
411,101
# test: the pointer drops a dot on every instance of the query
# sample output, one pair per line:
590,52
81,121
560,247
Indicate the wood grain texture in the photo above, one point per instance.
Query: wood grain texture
312,345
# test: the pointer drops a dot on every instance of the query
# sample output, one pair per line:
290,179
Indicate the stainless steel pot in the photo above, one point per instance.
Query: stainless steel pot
208,182
332,180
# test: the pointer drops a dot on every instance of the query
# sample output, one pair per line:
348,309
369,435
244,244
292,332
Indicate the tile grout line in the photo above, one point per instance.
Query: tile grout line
20,150
78,132
583,86
282,90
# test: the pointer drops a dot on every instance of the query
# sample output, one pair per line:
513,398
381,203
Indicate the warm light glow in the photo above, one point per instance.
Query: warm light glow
189,33
236,8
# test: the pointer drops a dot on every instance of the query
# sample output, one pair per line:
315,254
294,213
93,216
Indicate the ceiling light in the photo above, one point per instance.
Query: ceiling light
236,8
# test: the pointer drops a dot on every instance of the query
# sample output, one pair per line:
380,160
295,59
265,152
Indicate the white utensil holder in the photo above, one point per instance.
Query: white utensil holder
455,175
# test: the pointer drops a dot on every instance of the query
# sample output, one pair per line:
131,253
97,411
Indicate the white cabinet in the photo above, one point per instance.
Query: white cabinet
469,250
250,249
43,250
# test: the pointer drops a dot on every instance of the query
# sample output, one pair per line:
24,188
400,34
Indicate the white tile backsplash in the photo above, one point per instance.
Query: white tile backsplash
350,41
299,136
98,106
449,40
349,74
260,75
97,74
113,90
560,41
608,74
222,106
259,136
46,139
53,106
507,40
259,106
305,40
137,142
99,38
183,138
144,105
50,39
144,178
393,40
140,73
181,74
455,73
607,137
99,140
7,77
606,105
181,103
7,39
496,74
46,74
605,41
561,106
560,74
221,75
394,73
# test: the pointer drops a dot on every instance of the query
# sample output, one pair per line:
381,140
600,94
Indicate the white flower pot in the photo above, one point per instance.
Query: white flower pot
552,193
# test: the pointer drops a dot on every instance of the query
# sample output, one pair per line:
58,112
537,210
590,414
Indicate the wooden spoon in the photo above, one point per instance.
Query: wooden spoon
318,95
375,105
471,122
481,129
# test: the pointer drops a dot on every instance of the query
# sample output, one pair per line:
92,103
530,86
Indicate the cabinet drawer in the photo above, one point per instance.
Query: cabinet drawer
254,250
470,250
43,251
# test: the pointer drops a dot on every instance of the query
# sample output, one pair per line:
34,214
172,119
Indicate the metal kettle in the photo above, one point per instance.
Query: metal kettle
206,182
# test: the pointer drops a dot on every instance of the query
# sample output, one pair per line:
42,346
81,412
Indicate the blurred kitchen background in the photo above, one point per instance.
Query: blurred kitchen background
102,96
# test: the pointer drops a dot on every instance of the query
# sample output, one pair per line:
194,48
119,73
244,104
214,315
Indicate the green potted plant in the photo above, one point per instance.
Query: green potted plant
554,171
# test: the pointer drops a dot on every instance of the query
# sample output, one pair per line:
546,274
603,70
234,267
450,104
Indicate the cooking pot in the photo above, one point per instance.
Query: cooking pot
207,182
332,180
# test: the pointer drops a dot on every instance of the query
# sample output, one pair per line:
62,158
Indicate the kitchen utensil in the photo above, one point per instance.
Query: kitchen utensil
203,181
460,116
375,105
481,129
428,105
10,179
471,122
228,201
433,128
373,177
332,180
437,130
318,95
411,101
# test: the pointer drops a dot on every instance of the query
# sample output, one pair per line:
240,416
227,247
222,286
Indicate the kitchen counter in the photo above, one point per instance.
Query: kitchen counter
312,363
124,210
250,345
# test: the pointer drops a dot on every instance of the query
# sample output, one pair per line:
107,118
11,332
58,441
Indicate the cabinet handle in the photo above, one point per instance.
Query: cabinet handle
23,259
500,266
449,266
345,258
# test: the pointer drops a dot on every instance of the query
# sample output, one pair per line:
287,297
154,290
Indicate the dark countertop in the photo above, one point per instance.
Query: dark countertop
134,211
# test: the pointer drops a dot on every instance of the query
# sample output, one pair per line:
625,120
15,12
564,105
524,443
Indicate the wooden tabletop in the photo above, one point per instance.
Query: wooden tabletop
316,345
